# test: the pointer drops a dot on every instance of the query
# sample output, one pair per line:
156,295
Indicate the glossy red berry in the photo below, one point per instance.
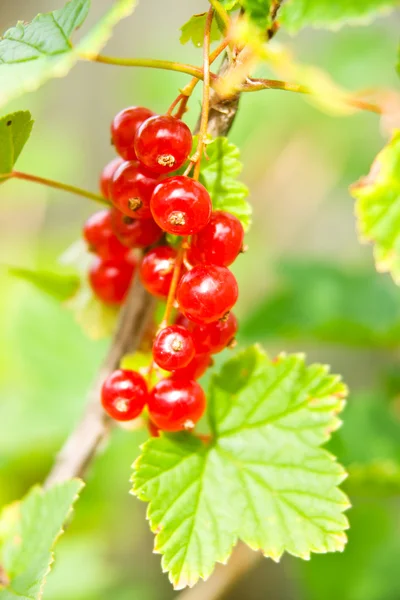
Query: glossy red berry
107,175
219,242
195,369
157,269
214,337
124,127
100,237
173,348
163,143
131,189
124,395
207,293
135,233
180,205
175,404
110,279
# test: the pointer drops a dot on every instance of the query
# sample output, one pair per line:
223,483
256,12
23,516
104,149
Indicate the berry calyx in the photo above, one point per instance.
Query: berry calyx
100,237
131,189
175,404
135,233
107,175
214,337
124,127
219,242
110,279
207,293
124,395
195,369
173,348
157,269
180,205
163,143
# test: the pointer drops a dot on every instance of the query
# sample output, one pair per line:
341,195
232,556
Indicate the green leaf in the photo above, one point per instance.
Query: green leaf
230,4
295,14
32,53
28,531
219,174
60,287
258,11
262,477
321,301
15,130
193,30
378,208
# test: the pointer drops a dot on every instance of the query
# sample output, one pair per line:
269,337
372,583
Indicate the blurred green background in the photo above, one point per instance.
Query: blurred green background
306,285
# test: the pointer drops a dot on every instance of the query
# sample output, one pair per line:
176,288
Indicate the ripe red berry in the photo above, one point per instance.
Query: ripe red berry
173,348
163,143
214,337
124,395
181,205
175,404
207,293
157,269
195,369
135,233
107,175
110,279
124,127
131,189
219,242
101,239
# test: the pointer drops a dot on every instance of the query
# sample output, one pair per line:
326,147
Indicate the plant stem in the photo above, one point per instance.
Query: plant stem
56,185
174,284
221,12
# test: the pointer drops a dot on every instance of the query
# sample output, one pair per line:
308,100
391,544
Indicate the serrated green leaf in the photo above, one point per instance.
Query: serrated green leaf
32,53
258,11
193,30
219,174
60,287
230,4
262,477
28,532
15,130
378,208
295,14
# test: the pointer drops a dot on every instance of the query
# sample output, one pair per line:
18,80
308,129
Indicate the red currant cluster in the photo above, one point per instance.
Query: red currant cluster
149,200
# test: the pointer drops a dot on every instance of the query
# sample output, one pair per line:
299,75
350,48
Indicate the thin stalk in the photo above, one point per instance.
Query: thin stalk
222,13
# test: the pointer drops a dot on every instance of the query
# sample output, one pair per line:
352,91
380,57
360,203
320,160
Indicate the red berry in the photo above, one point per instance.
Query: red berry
107,175
124,127
214,337
124,395
173,348
219,242
175,404
135,233
207,293
195,369
101,239
157,269
163,143
131,189
110,279
181,205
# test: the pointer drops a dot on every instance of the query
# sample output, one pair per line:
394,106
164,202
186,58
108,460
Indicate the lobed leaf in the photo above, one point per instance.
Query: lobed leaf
15,129
193,30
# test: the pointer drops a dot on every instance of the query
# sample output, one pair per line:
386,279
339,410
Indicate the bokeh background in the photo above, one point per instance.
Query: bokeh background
306,285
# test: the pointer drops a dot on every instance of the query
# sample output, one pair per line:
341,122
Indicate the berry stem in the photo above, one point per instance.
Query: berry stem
55,184
174,284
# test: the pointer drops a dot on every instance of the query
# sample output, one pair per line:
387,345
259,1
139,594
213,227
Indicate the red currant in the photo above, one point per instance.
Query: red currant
195,369
124,395
110,279
101,238
173,348
163,143
214,337
157,269
181,205
124,127
207,293
107,175
219,242
175,404
131,189
135,233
